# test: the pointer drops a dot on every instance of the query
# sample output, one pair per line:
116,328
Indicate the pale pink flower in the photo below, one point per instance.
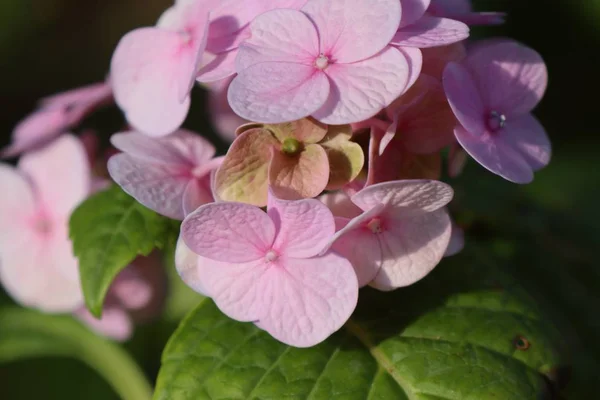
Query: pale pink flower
224,120
492,93
420,30
462,10
399,232
170,175
56,115
330,60
266,268
153,69
37,265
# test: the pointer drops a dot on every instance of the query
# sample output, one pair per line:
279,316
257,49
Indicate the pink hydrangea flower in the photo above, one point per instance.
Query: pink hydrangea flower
56,115
420,30
492,94
330,60
224,119
170,175
136,295
395,232
266,268
37,265
462,10
154,69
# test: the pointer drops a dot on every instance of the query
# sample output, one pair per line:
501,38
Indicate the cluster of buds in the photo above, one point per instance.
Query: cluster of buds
339,112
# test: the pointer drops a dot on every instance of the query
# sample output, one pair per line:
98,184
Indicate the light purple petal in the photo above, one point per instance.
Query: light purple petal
431,32
464,98
229,232
278,92
526,135
351,30
412,11
362,89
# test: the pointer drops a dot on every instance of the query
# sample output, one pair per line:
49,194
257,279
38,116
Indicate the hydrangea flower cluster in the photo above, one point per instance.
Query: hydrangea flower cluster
340,113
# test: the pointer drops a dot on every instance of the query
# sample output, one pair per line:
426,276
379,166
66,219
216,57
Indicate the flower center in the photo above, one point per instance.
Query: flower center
496,121
43,226
322,61
291,146
375,225
271,256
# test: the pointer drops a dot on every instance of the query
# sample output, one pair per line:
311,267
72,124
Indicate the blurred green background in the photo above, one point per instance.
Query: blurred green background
549,230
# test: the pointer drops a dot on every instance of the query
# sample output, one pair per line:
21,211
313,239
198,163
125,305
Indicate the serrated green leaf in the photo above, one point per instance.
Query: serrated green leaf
455,335
109,230
28,334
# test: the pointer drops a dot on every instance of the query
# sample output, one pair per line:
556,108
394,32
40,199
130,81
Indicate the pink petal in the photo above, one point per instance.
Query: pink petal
36,130
411,248
405,198
197,193
465,98
511,77
340,205
435,59
414,57
148,149
351,30
115,322
496,156
412,11
457,159
356,242
526,135
87,95
362,89
278,92
431,32
131,289
224,120
17,205
308,299
481,18
301,176
159,187
303,226
457,241
60,173
220,40
229,232
186,263
280,36
150,71
217,66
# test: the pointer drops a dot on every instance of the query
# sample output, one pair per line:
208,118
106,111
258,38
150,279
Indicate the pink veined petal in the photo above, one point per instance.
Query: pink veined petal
496,156
147,148
115,322
412,11
278,92
511,77
464,98
148,70
351,30
359,244
406,197
220,41
303,226
431,32
411,248
280,36
159,187
389,134
186,263
362,89
191,146
217,66
242,291
307,300
229,232
435,59
526,135
60,174
414,56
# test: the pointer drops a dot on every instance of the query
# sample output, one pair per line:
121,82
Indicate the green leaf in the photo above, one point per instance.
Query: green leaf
109,230
28,334
466,332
